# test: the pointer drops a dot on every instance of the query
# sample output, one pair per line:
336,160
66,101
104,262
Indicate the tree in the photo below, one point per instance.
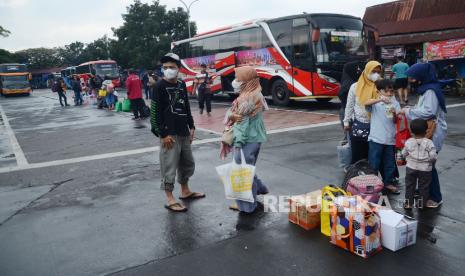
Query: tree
38,58
6,57
147,33
72,53
98,49
4,32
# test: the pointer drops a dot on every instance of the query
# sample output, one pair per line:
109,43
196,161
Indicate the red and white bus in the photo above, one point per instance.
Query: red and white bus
106,69
297,57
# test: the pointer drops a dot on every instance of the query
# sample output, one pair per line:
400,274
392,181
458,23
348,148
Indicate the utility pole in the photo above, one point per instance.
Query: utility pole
188,9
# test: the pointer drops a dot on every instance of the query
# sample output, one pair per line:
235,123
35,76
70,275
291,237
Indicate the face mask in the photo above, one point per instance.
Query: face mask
170,73
236,84
374,77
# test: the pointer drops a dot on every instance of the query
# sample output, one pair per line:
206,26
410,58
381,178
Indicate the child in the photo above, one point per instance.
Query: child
420,154
382,138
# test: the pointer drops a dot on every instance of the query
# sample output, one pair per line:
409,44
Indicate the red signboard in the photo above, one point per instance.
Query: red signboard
453,48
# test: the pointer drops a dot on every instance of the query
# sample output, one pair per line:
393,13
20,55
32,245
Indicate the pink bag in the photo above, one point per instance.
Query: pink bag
369,187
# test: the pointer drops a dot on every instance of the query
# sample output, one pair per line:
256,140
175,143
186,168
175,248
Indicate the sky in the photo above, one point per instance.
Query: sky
54,23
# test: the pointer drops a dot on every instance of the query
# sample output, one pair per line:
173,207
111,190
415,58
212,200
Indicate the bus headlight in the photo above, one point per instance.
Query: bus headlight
327,78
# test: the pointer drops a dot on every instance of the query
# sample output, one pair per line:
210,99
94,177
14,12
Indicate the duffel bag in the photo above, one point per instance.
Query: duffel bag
360,167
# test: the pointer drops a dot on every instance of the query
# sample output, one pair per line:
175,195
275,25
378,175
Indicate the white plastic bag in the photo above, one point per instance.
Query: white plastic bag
237,179
344,154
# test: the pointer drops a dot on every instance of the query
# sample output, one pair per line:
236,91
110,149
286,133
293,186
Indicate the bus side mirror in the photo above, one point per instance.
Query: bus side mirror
315,35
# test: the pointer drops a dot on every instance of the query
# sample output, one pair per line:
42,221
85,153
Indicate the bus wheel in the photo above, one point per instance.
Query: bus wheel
324,100
280,93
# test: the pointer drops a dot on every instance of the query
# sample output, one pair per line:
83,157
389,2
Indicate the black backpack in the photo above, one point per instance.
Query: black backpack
360,167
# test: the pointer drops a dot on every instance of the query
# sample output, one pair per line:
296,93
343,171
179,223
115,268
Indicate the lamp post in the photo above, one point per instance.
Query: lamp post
188,9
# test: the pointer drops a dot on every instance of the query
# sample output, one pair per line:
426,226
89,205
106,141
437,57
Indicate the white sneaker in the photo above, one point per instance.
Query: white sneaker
433,204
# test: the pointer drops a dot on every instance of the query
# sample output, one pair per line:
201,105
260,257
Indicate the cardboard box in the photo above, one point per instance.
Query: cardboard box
305,210
397,231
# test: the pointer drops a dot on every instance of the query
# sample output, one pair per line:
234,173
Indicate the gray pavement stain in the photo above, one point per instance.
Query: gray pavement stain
109,218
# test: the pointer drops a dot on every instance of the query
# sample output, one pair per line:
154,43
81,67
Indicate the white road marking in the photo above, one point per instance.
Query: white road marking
94,157
18,152
455,105
274,131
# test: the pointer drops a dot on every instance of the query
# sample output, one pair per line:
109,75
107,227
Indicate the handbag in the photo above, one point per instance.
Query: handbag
228,136
402,132
360,130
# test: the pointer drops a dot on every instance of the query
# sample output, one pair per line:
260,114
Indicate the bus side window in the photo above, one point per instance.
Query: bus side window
197,48
264,40
211,45
282,31
229,42
249,39
302,44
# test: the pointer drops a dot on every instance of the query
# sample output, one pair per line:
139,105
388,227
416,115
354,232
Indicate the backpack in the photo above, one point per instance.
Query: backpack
55,85
361,167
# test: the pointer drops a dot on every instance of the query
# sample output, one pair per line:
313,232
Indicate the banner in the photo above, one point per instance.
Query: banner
437,50
392,52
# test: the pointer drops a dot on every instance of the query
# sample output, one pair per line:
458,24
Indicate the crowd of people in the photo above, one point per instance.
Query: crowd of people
369,115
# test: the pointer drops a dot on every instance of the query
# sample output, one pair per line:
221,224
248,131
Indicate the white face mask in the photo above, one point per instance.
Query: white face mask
236,84
374,77
170,73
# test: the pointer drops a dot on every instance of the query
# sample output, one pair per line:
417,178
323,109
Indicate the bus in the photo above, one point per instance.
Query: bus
105,69
67,74
296,57
14,79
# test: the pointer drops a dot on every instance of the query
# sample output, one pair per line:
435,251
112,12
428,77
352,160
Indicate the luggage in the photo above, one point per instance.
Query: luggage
355,226
344,154
360,167
369,187
126,105
102,93
237,179
305,210
328,194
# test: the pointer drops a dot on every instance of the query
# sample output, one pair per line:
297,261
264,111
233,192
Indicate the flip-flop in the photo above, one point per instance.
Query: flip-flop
234,207
170,207
193,195
394,192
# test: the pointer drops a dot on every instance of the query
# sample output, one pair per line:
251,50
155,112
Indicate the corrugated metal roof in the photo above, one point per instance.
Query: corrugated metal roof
410,16
419,37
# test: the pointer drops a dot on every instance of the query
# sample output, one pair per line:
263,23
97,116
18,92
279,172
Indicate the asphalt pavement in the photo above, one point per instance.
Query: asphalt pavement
79,195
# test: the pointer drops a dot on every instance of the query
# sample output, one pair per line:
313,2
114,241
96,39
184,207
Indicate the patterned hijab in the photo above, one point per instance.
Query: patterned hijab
250,100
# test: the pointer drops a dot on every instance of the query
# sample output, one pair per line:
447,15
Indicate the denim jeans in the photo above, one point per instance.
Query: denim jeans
77,98
382,158
251,151
434,187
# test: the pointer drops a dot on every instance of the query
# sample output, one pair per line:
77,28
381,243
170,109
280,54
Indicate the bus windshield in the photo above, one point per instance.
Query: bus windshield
341,40
106,70
22,78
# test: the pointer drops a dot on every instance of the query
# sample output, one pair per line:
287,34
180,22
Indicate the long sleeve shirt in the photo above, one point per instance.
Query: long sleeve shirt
420,154
170,109
427,108
353,109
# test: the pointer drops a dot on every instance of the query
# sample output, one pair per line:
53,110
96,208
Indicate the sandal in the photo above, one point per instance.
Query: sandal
234,207
179,209
193,195
392,189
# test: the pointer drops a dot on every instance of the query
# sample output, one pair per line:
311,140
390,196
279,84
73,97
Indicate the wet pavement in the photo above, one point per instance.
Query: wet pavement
86,202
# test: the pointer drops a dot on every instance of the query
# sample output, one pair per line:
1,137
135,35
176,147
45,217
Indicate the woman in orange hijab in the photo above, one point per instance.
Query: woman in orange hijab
356,118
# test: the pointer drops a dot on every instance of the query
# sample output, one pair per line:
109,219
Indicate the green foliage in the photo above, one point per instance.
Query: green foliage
4,32
147,33
38,58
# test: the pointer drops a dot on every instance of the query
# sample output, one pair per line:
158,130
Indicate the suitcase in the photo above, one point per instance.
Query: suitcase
369,187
